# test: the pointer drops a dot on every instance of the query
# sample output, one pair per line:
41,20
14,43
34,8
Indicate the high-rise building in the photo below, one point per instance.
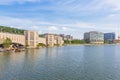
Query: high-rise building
94,37
109,37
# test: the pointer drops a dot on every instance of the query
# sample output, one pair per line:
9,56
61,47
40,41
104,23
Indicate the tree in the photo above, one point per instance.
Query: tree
67,42
11,30
40,45
78,41
7,42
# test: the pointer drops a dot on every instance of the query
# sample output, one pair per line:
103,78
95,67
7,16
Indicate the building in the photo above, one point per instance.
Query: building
53,39
118,37
16,38
94,37
109,37
31,38
117,41
49,39
66,37
58,40
41,40
69,37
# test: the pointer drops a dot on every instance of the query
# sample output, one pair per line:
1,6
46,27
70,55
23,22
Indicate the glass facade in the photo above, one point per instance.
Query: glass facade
94,37
109,37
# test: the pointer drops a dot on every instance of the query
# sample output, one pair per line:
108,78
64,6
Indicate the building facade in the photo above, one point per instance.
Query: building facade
42,40
109,37
53,39
66,37
94,37
58,40
16,38
31,39
49,39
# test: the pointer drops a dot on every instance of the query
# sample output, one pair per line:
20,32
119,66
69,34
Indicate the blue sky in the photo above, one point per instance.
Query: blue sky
62,16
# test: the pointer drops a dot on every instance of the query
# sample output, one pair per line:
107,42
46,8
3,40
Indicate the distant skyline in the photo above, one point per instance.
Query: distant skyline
72,17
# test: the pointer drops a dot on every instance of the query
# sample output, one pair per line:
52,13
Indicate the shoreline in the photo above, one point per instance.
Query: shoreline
88,44
11,50
20,50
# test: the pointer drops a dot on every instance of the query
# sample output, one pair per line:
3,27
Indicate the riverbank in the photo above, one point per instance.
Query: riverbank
11,49
23,49
88,44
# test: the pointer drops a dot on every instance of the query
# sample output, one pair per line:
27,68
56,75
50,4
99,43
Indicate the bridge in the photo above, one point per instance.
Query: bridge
16,38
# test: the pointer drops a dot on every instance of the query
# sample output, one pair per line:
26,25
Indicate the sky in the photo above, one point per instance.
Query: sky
72,17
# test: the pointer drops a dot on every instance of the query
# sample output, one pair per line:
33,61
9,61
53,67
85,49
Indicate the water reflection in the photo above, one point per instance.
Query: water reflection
62,63
92,66
10,64
109,62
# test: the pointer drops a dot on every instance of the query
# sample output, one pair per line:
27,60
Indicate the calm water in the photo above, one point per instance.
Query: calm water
62,63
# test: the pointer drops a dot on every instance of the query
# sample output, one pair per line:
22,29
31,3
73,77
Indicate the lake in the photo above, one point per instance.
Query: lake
76,62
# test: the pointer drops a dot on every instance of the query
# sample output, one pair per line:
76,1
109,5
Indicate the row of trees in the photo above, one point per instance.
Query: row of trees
74,42
11,30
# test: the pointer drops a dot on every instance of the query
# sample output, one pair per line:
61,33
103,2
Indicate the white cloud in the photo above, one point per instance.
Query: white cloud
112,15
113,3
85,25
64,28
52,28
21,22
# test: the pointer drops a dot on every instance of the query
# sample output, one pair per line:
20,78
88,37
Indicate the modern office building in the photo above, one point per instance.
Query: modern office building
94,37
109,37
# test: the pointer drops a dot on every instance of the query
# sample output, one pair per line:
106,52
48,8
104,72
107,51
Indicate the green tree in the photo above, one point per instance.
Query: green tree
11,30
67,42
7,42
40,45
78,42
